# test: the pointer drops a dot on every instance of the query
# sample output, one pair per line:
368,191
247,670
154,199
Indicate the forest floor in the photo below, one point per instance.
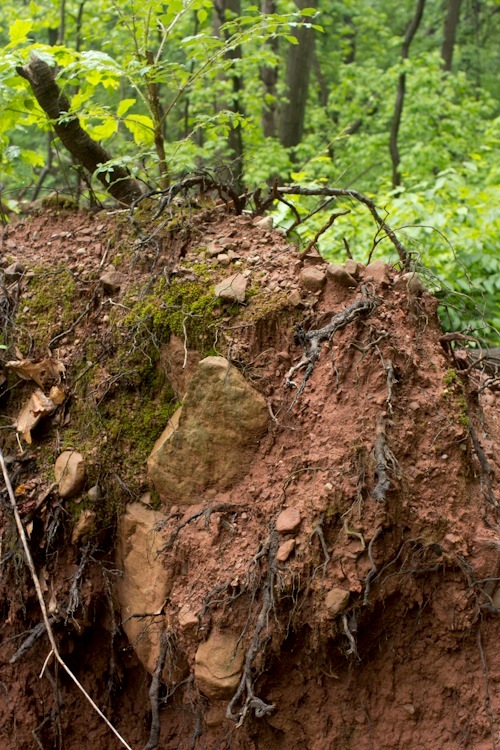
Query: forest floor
387,456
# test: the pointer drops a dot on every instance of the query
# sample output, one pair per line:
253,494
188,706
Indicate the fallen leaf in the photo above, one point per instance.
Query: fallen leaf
44,372
38,406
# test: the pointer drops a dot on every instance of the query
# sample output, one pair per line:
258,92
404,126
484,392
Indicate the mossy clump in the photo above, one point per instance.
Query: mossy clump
49,308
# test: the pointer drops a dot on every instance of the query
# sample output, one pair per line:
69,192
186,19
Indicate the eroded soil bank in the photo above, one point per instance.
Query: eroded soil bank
350,562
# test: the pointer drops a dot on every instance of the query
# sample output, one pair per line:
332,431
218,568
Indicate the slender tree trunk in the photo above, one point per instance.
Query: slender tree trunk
235,138
400,95
89,153
269,77
298,69
450,32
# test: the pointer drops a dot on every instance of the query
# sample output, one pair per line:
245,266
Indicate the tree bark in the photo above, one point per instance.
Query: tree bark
298,69
269,77
450,32
89,153
400,95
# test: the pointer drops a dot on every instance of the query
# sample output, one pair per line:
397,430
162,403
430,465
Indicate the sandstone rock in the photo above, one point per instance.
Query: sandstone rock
223,260
187,618
266,222
294,299
413,283
213,249
378,270
288,520
145,584
312,278
112,281
339,275
14,271
177,365
218,665
94,493
69,470
233,288
354,268
84,526
285,550
212,441
336,600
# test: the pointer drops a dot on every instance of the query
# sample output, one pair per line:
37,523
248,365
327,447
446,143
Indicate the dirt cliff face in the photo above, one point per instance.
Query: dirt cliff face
353,570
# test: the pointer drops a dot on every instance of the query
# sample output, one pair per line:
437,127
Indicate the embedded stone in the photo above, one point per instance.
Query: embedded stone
312,278
212,441
285,550
266,222
288,520
69,470
232,289
218,665
336,600
339,275
354,268
14,271
112,281
84,526
187,618
145,583
294,299
378,270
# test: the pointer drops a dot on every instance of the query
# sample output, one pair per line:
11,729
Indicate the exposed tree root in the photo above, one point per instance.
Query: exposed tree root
154,692
207,512
486,470
30,641
244,695
311,340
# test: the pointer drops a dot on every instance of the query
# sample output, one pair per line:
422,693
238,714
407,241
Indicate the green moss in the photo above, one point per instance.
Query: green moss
49,308
450,377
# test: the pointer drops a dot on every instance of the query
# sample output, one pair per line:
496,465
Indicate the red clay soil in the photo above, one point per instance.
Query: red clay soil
412,661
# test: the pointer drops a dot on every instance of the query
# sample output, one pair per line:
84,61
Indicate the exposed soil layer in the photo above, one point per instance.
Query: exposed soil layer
388,453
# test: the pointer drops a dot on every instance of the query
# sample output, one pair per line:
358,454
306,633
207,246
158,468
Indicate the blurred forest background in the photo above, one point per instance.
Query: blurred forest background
397,99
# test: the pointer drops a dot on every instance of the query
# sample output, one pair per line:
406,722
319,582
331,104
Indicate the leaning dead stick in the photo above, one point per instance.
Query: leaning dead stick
38,589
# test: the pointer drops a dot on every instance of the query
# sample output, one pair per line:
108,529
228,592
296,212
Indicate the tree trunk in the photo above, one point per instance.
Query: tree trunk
269,77
450,32
400,96
81,146
298,68
234,139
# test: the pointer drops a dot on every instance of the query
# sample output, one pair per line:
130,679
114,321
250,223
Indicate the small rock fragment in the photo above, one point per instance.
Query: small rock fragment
84,526
232,289
94,493
288,520
354,268
294,299
413,283
336,600
285,550
213,249
266,222
218,665
312,278
187,618
14,271
223,259
69,470
339,275
378,270
112,281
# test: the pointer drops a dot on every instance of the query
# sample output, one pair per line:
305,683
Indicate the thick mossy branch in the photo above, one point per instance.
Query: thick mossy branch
85,150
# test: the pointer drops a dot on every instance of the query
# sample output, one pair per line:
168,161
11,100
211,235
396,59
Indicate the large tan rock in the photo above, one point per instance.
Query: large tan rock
145,584
70,473
218,665
213,440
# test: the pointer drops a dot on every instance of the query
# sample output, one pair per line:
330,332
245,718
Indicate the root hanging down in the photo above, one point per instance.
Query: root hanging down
311,340
244,694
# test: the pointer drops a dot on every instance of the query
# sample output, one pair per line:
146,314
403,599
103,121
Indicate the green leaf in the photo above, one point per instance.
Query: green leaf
141,127
124,106
291,39
19,30
202,15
